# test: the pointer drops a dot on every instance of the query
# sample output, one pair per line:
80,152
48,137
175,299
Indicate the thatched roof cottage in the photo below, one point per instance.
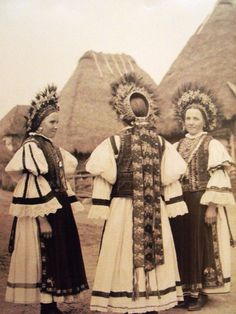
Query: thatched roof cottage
209,57
86,118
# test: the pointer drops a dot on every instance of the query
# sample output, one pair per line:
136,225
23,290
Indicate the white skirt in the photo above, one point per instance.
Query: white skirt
113,285
24,278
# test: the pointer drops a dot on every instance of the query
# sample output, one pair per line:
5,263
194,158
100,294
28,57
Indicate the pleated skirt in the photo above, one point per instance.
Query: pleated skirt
42,270
113,284
203,251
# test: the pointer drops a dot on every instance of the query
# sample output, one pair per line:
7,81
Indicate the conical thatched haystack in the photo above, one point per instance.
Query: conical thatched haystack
11,134
210,58
13,122
12,127
86,117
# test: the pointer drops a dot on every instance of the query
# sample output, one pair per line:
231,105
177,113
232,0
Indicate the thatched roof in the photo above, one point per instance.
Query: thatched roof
5,155
13,122
209,57
86,118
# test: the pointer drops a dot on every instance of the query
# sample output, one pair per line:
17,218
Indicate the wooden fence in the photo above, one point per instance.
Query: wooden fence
81,184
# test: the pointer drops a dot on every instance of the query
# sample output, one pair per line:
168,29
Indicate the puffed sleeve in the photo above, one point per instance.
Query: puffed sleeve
102,162
100,199
102,165
70,162
32,196
218,189
28,158
172,168
173,196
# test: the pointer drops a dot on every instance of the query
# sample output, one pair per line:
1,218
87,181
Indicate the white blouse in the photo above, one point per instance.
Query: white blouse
33,196
218,189
102,165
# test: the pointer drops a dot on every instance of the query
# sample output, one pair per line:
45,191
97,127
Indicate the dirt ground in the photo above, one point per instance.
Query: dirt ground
90,234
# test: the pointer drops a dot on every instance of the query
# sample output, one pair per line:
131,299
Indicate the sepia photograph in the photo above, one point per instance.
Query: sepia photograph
117,156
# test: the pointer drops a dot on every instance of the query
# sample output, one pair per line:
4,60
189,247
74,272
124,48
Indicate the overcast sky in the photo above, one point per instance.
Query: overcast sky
41,41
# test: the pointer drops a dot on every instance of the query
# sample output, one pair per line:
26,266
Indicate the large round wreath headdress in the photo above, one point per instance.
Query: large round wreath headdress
45,102
122,91
193,94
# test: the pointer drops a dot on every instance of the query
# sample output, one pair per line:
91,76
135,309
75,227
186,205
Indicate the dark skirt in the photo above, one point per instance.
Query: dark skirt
194,243
63,271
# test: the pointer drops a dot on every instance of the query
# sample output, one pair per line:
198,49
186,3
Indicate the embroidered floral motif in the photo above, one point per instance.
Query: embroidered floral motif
219,274
218,189
147,232
197,176
210,276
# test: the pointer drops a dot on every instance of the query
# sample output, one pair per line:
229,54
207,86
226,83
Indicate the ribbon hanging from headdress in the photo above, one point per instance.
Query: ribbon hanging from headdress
146,152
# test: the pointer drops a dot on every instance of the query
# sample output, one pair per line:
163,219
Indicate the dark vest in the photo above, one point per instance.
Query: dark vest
52,154
123,186
198,175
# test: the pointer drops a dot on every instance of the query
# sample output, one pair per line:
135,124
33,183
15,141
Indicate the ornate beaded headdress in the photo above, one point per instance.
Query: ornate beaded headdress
124,89
193,95
45,102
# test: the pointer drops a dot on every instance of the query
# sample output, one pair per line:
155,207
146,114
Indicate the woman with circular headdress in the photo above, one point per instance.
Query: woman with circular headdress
46,263
135,171
202,236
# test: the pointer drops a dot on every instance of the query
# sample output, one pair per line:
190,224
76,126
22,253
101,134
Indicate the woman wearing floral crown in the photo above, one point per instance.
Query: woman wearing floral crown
202,236
46,263
134,171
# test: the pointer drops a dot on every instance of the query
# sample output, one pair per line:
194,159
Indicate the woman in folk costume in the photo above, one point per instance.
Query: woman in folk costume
46,263
202,236
137,267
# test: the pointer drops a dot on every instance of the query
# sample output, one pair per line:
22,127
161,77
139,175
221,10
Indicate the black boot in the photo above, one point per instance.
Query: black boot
199,303
49,308
183,304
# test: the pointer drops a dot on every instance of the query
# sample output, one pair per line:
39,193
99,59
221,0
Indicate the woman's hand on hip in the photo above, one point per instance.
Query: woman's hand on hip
211,214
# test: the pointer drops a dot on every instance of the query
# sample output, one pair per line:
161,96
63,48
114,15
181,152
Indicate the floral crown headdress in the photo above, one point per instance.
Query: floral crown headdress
45,102
192,94
124,89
